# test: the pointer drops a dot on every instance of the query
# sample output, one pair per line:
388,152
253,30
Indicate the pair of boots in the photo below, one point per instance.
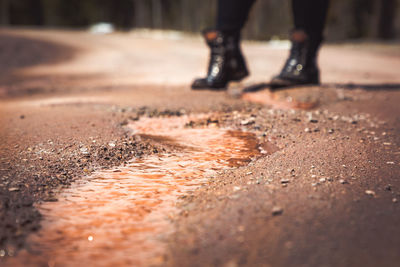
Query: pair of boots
227,63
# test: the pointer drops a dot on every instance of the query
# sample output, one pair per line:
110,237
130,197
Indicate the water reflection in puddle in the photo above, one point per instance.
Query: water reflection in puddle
121,217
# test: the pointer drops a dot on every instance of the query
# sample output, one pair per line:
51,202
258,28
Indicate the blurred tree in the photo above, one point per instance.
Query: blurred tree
361,11
269,19
5,12
170,13
119,12
70,13
386,19
347,19
142,14
25,12
157,14
186,22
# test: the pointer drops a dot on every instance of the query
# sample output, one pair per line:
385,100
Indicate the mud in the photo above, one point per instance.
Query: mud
128,211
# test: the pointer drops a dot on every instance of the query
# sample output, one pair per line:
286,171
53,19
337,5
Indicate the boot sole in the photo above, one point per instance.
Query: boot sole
277,83
220,87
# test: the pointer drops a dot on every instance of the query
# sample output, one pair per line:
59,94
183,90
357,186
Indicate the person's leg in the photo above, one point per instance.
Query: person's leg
310,16
301,66
226,60
232,14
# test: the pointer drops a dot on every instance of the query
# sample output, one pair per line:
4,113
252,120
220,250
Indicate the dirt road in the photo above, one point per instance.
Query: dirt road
325,193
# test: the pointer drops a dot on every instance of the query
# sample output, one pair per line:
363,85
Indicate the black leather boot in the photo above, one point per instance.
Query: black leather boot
301,66
226,61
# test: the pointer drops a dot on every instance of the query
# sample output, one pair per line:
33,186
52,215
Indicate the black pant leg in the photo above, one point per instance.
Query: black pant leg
310,16
232,14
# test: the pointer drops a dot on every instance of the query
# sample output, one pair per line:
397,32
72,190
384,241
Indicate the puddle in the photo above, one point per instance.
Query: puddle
305,98
121,217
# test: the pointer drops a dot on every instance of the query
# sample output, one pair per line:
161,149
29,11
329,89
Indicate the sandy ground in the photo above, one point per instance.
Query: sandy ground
328,197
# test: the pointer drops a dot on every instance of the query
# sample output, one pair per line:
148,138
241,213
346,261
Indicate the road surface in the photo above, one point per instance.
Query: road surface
326,194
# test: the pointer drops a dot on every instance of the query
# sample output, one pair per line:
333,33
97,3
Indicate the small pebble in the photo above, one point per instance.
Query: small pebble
84,150
248,122
343,181
394,200
236,188
285,181
13,189
370,192
277,211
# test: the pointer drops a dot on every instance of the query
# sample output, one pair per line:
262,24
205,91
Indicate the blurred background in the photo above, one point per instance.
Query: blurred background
348,19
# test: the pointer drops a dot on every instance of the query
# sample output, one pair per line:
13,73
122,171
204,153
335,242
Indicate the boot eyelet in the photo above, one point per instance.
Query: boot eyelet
215,71
299,67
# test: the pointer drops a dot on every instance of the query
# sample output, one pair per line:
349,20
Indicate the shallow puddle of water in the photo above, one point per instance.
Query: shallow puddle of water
121,217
